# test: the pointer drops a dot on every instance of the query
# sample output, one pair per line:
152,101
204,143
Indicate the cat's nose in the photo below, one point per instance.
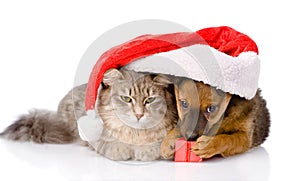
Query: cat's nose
139,116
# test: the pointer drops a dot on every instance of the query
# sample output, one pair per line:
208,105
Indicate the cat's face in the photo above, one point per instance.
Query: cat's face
138,100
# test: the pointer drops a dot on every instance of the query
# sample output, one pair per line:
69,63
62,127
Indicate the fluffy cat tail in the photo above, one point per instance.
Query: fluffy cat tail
40,126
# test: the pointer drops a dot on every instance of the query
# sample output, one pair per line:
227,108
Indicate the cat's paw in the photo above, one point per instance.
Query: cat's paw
117,152
147,153
167,148
206,146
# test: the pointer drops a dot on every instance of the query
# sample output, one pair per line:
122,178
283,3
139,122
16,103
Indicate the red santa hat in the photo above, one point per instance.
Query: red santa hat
225,58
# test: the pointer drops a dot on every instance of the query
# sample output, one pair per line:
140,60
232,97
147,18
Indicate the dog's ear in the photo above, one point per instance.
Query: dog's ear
162,80
111,76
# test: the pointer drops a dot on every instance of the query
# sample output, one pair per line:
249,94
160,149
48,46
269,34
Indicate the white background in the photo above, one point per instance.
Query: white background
41,44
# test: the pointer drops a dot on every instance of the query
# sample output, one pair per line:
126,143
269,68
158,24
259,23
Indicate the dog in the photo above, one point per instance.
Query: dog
220,123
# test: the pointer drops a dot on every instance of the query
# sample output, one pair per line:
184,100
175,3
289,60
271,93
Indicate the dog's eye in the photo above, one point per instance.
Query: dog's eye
211,109
184,104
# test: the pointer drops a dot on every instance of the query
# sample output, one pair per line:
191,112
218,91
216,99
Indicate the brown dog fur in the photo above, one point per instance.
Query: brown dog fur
235,126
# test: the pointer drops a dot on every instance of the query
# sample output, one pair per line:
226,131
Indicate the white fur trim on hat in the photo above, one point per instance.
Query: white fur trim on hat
236,75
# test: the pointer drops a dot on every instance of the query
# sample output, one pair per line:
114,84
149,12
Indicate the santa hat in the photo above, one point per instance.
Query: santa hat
219,56
230,56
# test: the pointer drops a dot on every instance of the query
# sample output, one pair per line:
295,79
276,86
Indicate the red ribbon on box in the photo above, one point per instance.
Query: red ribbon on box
183,151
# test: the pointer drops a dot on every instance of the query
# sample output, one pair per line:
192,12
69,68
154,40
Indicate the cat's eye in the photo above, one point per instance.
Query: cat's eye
184,104
126,99
149,100
211,108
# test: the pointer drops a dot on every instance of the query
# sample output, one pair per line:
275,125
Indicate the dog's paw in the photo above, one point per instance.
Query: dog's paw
206,146
167,148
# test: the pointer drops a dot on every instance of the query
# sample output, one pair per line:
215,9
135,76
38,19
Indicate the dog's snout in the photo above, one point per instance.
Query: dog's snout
191,136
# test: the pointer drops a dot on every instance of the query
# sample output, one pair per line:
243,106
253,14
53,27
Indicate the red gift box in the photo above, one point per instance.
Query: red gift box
183,151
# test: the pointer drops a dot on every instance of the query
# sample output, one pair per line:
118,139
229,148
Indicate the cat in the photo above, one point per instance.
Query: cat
220,123
137,111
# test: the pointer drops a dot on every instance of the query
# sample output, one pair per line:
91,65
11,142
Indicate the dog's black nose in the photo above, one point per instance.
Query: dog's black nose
191,137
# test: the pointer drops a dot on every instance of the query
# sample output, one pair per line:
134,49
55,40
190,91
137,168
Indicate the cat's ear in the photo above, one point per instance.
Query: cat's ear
162,80
111,76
